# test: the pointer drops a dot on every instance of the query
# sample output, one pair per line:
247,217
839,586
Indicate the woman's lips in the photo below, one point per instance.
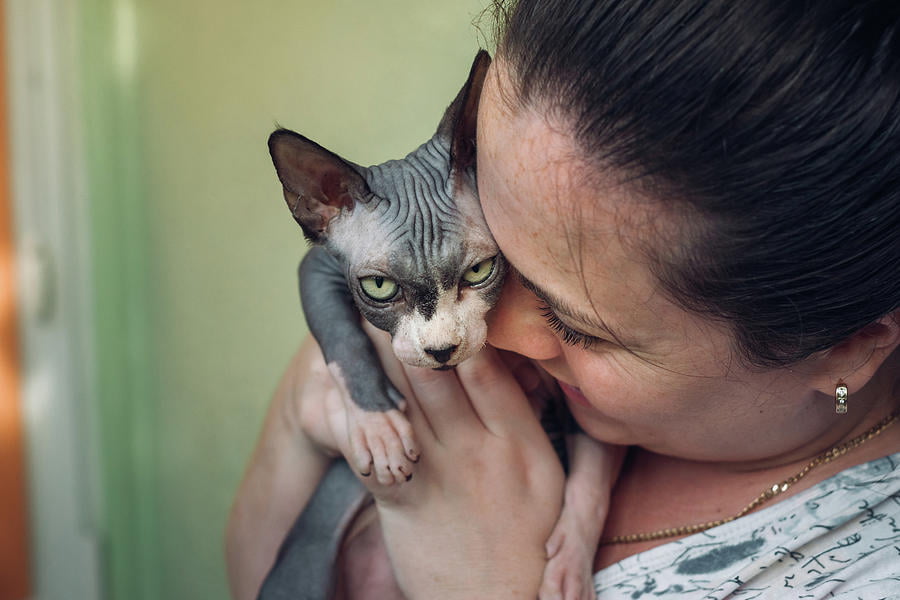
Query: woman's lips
574,395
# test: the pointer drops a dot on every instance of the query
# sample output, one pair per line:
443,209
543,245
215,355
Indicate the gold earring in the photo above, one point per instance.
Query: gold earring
840,398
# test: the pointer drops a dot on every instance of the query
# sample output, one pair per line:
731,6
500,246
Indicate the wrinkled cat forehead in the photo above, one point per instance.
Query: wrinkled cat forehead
422,176
422,192
386,237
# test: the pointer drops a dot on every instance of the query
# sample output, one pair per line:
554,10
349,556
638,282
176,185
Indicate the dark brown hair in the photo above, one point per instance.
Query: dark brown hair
775,122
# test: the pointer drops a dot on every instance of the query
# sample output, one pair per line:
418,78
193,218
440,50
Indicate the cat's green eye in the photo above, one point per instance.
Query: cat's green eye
479,273
377,288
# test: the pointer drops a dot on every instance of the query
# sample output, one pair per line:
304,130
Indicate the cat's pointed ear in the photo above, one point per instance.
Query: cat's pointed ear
317,183
460,118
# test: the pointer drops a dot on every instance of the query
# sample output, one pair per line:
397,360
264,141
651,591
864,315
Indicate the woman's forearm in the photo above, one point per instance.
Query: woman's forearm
277,483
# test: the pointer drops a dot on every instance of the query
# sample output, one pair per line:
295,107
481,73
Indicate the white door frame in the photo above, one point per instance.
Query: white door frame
53,270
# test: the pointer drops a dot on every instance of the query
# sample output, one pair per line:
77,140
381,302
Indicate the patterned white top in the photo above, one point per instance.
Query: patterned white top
838,539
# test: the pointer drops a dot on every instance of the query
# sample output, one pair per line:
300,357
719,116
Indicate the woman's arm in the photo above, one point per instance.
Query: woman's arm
474,519
280,477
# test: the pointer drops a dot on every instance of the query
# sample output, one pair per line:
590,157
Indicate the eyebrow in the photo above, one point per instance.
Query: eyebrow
561,307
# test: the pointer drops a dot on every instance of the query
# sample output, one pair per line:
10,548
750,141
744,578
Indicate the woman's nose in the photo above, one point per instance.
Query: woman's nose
516,324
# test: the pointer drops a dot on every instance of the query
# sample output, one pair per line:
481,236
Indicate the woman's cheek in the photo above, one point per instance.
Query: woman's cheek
608,383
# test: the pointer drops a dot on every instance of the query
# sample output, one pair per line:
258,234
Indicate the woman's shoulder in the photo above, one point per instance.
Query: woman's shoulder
839,536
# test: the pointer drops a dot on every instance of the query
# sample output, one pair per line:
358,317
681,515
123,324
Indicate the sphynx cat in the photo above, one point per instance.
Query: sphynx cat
404,244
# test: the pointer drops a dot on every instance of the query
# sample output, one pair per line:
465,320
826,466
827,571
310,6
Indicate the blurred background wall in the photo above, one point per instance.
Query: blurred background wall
187,283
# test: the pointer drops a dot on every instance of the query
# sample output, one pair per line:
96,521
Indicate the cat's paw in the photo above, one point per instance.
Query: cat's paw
568,573
383,444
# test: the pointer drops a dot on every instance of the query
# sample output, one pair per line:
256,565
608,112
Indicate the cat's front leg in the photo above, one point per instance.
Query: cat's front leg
593,470
382,440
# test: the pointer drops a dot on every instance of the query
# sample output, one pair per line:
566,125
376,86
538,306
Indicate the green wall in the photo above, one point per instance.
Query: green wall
194,250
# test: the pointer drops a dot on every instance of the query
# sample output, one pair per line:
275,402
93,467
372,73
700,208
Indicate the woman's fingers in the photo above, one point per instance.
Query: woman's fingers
481,393
442,400
419,428
496,395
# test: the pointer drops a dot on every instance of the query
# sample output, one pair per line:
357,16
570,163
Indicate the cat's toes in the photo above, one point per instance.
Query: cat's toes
407,437
567,575
383,446
566,581
551,588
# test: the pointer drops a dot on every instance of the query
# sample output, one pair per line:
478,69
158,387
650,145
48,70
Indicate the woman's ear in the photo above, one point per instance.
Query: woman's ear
855,360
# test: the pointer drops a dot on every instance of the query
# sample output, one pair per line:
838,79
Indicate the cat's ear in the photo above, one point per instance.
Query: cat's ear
460,118
317,183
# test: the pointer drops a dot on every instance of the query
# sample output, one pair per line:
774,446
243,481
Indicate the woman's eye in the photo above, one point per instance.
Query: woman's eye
378,288
480,273
569,336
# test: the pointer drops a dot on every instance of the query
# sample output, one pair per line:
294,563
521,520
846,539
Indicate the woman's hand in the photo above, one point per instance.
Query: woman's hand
474,519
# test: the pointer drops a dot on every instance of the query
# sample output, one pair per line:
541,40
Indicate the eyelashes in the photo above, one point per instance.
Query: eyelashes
568,335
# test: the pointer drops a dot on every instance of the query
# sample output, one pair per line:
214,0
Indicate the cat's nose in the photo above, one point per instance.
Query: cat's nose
441,355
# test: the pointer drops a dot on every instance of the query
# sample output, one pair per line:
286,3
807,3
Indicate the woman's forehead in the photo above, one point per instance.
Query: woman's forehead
571,234
531,173
519,153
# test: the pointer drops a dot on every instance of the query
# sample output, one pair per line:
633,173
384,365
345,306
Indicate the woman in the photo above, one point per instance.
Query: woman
701,201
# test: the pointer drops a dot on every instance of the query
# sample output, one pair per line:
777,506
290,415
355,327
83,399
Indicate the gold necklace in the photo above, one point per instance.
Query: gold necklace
767,494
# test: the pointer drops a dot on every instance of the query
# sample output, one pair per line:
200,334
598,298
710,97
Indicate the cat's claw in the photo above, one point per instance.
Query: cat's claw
383,445
382,441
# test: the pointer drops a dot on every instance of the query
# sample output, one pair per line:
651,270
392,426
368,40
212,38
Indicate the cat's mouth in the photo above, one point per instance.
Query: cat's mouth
444,367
